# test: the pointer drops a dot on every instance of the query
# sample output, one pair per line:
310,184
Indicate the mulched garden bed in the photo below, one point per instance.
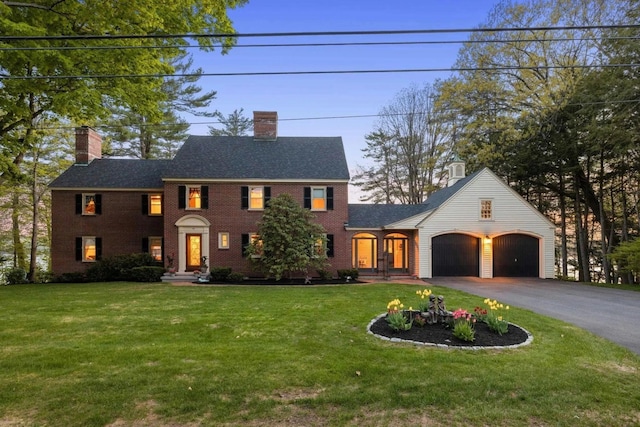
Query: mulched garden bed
440,334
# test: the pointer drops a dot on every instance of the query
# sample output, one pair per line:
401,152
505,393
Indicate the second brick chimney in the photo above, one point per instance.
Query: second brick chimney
88,145
265,125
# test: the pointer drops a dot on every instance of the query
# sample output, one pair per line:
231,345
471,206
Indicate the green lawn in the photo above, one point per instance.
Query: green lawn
122,354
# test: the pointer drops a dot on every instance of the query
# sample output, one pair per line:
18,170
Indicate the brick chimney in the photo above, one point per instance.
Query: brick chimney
88,145
265,125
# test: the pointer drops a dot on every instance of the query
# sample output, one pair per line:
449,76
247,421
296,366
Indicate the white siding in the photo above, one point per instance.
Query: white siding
511,214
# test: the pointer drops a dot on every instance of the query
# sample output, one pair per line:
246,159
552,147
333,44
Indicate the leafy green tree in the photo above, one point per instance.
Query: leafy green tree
289,241
627,256
77,79
235,124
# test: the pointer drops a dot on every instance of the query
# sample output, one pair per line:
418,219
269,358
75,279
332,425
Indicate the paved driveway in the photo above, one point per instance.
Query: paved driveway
610,313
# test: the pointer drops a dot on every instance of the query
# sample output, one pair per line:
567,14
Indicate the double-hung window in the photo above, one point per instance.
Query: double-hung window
88,204
193,197
152,204
88,248
255,197
318,198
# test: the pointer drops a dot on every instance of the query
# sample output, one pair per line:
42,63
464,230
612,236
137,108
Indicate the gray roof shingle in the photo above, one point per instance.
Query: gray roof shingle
114,173
300,158
377,216
211,157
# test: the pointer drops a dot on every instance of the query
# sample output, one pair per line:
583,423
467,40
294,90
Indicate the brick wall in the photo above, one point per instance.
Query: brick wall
226,215
122,226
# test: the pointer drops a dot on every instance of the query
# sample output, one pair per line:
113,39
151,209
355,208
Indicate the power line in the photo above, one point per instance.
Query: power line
317,72
327,44
315,33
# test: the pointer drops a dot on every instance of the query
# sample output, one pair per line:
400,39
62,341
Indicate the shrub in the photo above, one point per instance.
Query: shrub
324,274
74,277
146,274
16,276
220,274
348,272
118,267
235,277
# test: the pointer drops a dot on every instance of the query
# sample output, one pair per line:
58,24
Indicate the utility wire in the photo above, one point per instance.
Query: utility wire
328,44
316,72
315,33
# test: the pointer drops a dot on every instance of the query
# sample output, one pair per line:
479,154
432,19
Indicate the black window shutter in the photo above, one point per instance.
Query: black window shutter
245,243
267,195
145,245
204,194
78,204
244,197
330,245
145,204
98,248
330,198
78,248
307,197
182,197
98,204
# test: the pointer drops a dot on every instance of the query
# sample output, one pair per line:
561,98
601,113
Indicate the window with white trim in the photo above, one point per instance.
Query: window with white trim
256,197
89,249
88,204
155,204
194,197
486,210
155,248
318,198
223,240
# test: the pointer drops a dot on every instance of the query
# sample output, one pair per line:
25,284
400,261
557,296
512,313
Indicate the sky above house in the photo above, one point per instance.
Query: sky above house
346,104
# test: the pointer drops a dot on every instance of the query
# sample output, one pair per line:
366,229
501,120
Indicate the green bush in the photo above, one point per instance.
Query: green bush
324,274
348,272
118,267
235,277
146,274
16,276
74,277
220,274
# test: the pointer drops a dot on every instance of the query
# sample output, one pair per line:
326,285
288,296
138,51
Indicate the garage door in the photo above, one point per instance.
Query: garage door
455,255
515,255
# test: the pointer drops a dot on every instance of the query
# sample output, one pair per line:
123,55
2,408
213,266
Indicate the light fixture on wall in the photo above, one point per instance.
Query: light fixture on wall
487,239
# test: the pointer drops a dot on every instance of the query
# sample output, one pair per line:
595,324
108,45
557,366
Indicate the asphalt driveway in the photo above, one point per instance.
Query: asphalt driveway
610,313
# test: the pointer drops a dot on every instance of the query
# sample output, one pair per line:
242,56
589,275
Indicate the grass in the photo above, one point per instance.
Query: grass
122,354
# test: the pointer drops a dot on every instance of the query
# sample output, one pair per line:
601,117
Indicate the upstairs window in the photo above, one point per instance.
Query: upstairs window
193,197
88,204
152,204
194,200
318,198
486,210
155,204
255,198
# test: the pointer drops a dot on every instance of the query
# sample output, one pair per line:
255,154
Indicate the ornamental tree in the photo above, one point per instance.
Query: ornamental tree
288,240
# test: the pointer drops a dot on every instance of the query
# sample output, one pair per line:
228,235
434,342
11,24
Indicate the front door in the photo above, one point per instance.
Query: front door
194,251
395,247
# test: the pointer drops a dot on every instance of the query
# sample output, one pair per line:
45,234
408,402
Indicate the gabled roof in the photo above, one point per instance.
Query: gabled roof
243,157
368,216
219,158
114,173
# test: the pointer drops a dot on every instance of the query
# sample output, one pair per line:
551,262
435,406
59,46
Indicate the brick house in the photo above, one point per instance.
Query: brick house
207,200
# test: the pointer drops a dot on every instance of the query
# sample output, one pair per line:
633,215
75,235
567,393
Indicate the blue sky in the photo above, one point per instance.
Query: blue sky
312,96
